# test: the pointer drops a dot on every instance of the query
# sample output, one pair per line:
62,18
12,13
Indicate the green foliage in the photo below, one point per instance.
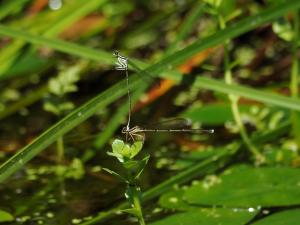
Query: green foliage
154,30
252,187
287,217
5,216
208,217
125,152
283,29
60,86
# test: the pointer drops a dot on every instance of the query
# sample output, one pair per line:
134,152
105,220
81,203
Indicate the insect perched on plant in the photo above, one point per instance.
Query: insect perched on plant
176,125
122,63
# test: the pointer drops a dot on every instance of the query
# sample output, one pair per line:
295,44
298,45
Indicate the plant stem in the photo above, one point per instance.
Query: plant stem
137,204
60,150
234,100
295,116
295,63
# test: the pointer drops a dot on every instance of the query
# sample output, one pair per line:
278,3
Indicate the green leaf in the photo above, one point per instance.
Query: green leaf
5,216
247,92
288,217
75,170
207,114
131,211
245,186
124,151
174,200
227,7
135,148
120,150
136,167
117,146
214,216
141,166
114,174
283,29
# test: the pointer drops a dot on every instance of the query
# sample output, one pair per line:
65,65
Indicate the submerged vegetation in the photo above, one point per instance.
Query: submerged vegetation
83,135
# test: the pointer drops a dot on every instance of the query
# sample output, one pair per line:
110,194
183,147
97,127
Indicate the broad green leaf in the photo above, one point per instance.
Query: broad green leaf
188,159
245,186
135,148
207,114
117,146
5,216
220,216
288,217
174,200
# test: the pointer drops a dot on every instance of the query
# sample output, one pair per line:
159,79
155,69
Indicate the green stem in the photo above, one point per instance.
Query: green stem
60,150
295,63
234,100
137,205
295,116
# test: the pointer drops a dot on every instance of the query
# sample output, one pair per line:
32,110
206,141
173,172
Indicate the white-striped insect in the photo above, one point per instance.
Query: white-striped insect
138,132
122,63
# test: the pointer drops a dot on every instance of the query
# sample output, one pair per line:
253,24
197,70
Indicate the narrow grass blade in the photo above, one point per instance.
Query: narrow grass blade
174,59
251,93
17,161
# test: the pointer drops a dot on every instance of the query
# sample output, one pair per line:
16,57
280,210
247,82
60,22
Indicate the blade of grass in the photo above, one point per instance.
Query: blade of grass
8,7
58,22
219,37
28,99
17,161
251,93
186,26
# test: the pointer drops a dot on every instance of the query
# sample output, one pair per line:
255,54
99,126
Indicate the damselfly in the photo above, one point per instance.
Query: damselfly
136,131
139,132
122,64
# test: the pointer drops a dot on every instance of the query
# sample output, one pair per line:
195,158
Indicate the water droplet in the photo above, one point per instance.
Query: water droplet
251,210
19,191
173,200
49,214
76,221
265,212
55,4
126,195
79,114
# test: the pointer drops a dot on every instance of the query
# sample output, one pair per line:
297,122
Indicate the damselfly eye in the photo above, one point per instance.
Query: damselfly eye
115,53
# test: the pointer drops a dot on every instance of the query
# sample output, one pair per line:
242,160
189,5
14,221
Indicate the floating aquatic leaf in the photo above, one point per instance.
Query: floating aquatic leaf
5,216
220,216
245,186
288,217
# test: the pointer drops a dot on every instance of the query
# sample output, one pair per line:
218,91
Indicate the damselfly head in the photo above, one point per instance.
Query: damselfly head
124,130
116,53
